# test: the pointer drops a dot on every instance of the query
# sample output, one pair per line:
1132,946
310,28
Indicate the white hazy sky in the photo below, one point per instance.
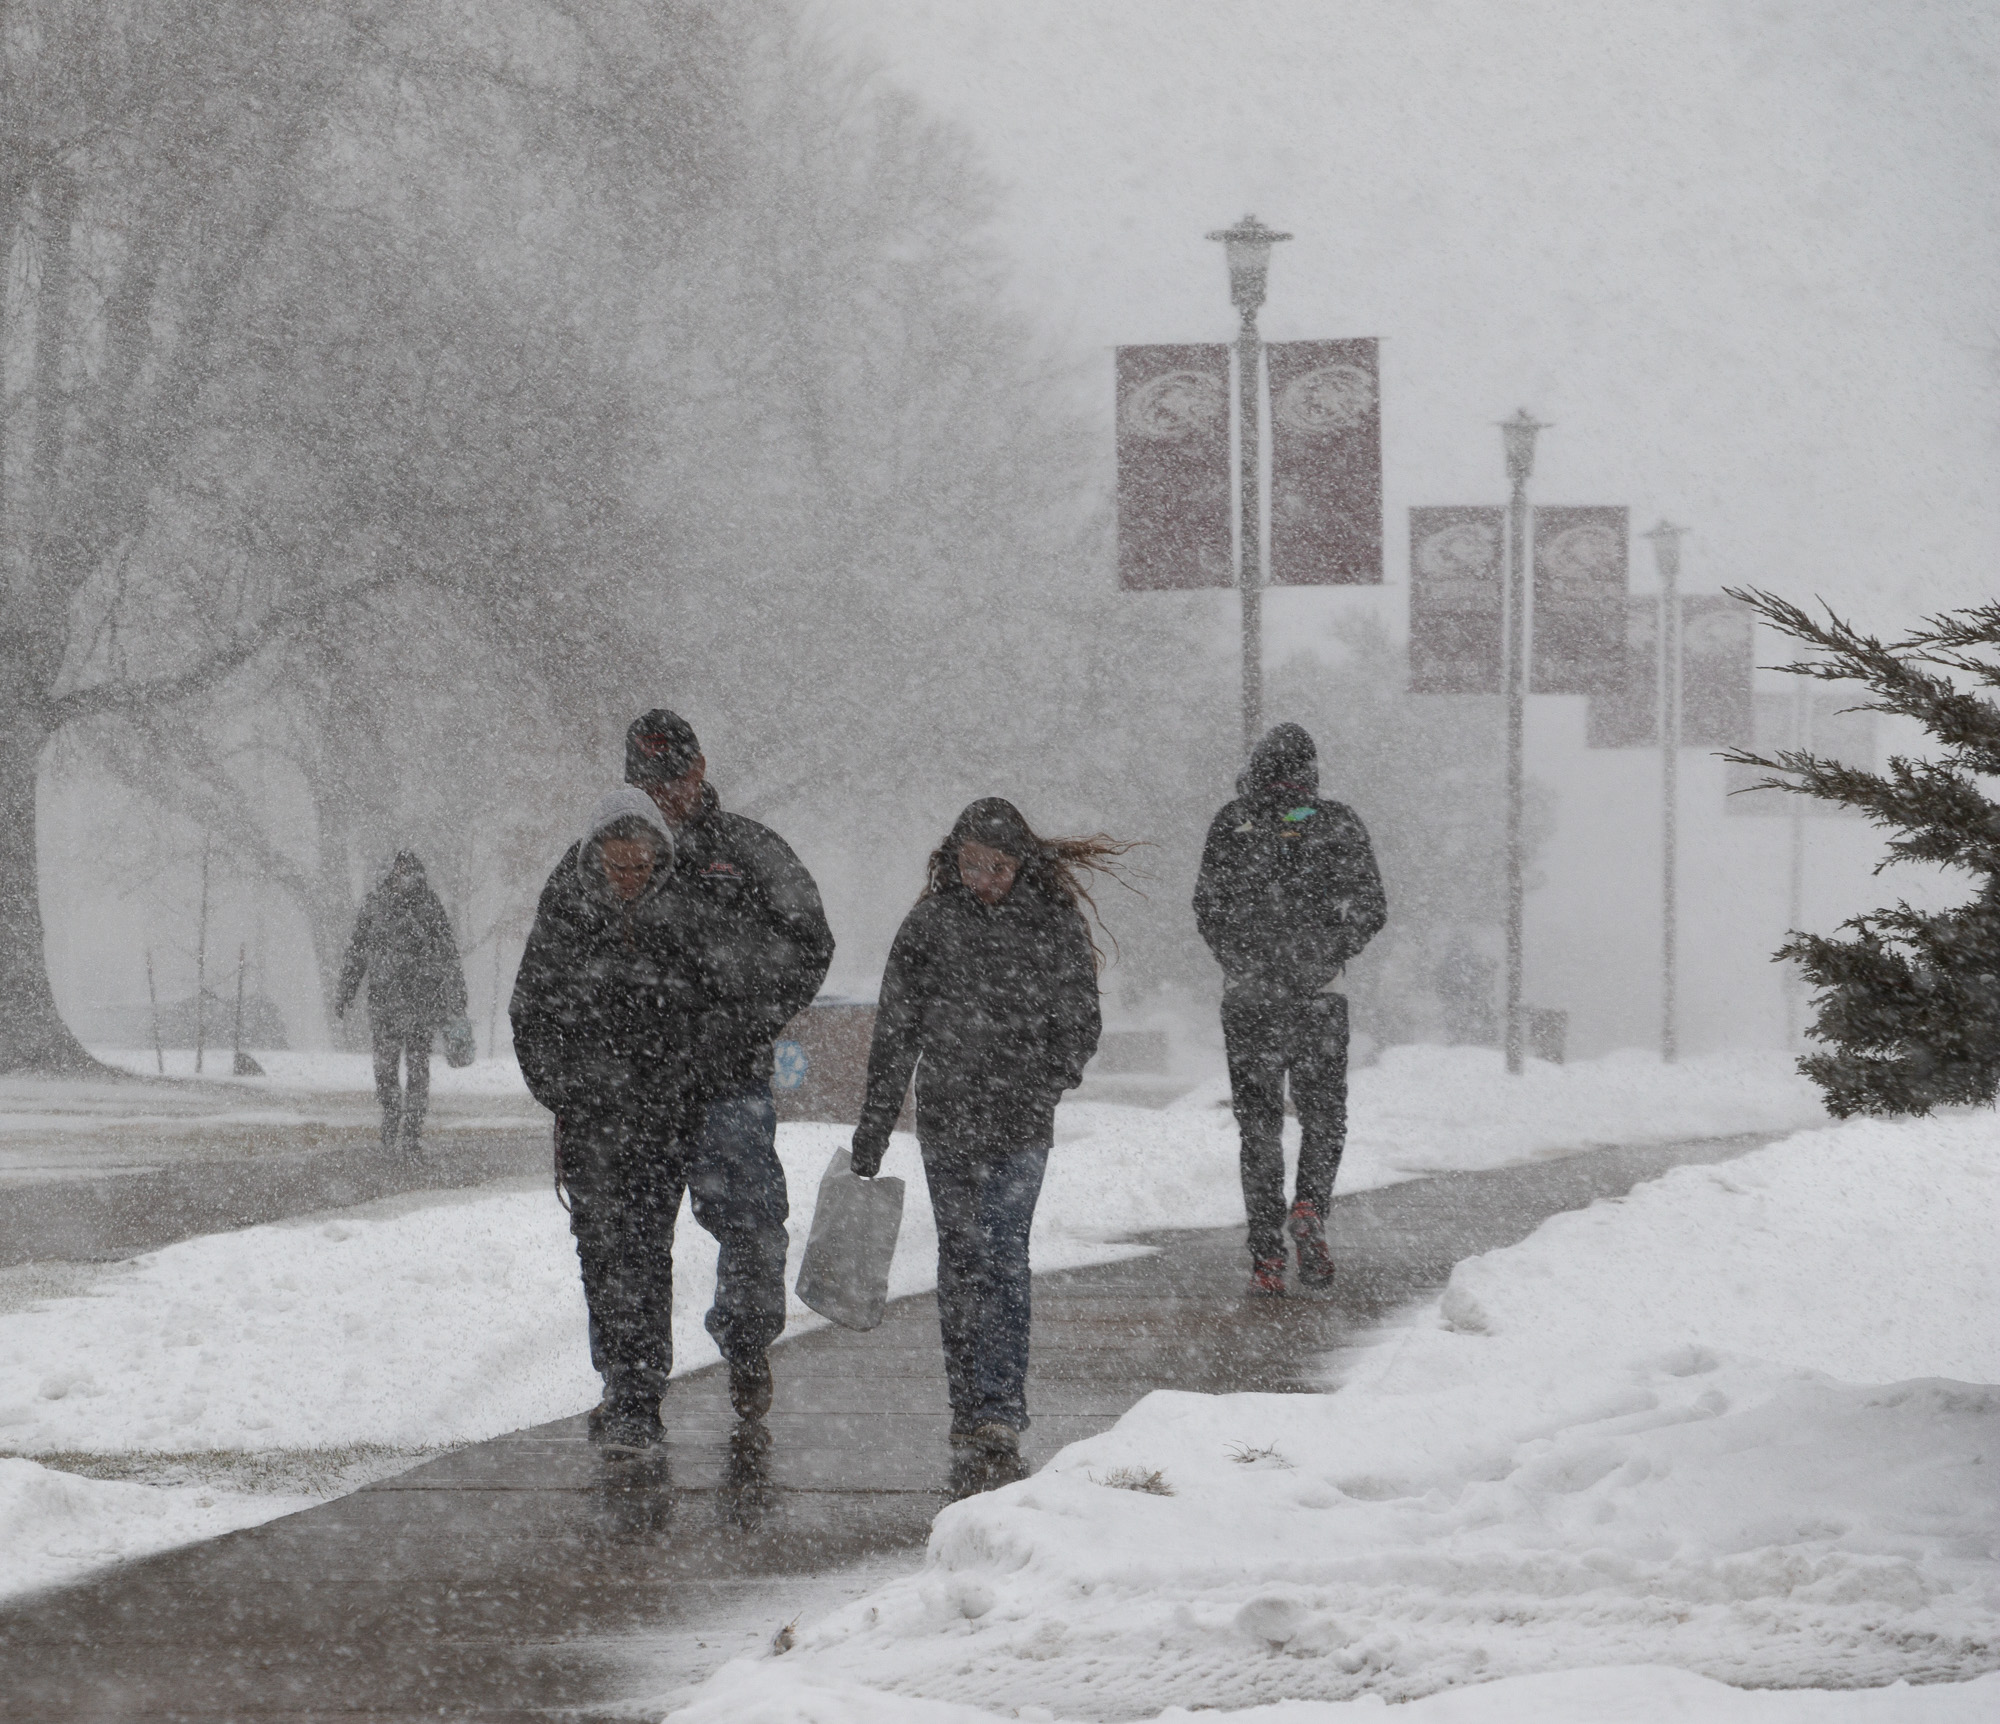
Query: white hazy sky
1742,252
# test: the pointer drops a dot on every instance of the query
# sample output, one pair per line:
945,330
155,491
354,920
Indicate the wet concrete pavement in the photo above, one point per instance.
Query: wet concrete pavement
526,1579
139,1186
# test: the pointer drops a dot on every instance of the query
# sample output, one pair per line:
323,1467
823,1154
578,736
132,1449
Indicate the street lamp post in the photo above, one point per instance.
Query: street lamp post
1247,250
1518,436
1666,540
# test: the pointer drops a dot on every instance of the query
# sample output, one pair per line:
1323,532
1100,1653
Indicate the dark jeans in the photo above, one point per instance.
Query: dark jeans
625,1173
403,1102
983,1208
1268,1035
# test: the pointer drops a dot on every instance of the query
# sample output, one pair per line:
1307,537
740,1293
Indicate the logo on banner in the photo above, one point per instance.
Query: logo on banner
1175,406
1325,401
1582,555
1457,564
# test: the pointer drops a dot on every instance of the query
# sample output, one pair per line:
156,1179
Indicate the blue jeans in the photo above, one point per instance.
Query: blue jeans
625,1173
983,1209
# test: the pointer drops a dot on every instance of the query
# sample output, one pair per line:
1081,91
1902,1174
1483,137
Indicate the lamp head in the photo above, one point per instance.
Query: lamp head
1666,539
1247,249
1518,434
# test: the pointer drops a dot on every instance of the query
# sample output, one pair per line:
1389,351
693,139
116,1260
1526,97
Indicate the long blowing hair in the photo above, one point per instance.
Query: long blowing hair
1058,869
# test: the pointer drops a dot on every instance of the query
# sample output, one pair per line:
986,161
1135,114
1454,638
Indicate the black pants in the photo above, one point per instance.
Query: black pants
406,1096
1268,1035
625,1174
984,1207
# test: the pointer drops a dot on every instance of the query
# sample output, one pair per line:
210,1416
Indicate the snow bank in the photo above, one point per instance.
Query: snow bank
54,1525
1419,1110
1627,1694
1740,1423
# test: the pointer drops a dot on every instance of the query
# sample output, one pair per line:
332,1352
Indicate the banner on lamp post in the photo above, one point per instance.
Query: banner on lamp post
1173,467
1629,715
1579,607
1326,463
1717,654
1830,732
1457,600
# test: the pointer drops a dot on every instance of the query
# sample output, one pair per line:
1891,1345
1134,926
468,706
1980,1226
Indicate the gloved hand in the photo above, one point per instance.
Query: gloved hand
866,1155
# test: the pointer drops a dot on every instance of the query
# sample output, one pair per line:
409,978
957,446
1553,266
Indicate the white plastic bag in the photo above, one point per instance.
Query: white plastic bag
845,1274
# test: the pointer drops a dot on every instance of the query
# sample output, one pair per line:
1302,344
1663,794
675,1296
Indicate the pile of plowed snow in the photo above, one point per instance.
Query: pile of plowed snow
1741,1423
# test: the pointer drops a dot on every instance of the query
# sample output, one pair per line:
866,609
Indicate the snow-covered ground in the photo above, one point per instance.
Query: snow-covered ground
1738,1431
237,1369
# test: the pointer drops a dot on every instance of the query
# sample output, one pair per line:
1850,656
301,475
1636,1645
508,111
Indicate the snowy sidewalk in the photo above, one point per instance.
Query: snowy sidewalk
522,1578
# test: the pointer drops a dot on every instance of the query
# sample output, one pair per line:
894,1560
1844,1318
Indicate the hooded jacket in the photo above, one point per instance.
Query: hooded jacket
605,999
994,1008
1288,891
402,944
737,943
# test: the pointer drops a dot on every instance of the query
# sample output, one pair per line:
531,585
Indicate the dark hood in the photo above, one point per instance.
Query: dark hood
996,823
1284,763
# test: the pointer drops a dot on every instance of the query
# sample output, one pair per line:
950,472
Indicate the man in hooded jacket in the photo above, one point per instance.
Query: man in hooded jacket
402,944
1288,893
663,1084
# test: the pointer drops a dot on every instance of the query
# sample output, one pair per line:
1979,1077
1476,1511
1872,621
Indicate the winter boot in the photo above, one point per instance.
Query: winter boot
1267,1277
1308,1233
750,1386
997,1439
626,1421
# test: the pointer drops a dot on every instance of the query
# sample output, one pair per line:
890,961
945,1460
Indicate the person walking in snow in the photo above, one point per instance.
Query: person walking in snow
990,999
1288,894
670,947
403,945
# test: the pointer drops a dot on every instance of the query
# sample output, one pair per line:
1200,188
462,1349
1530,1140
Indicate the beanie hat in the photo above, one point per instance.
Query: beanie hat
660,747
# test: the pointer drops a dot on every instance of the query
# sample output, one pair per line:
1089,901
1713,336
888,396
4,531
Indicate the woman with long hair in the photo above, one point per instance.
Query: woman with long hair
990,999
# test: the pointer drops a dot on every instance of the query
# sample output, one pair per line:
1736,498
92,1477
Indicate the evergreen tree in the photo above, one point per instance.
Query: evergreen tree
1909,1000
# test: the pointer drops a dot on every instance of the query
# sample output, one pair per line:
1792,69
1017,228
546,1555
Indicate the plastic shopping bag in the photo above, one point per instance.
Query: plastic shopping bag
458,1044
845,1274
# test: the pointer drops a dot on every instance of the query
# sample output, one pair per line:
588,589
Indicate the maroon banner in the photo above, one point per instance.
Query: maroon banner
1456,600
1579,615
1828,731
1173,468
1326,463
1717,654
1629,716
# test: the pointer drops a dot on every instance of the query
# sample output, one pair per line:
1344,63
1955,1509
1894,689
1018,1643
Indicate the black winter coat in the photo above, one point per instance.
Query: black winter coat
682,1005
605,1001
1288,891
402,943
747,912
994,1007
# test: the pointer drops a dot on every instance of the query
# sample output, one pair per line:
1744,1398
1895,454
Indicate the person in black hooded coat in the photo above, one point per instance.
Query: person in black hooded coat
402,944
1288,894
990,999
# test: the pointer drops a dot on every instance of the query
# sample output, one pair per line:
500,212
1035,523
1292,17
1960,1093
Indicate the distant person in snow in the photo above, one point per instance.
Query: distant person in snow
669,949
990,999
1288,893
402,944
